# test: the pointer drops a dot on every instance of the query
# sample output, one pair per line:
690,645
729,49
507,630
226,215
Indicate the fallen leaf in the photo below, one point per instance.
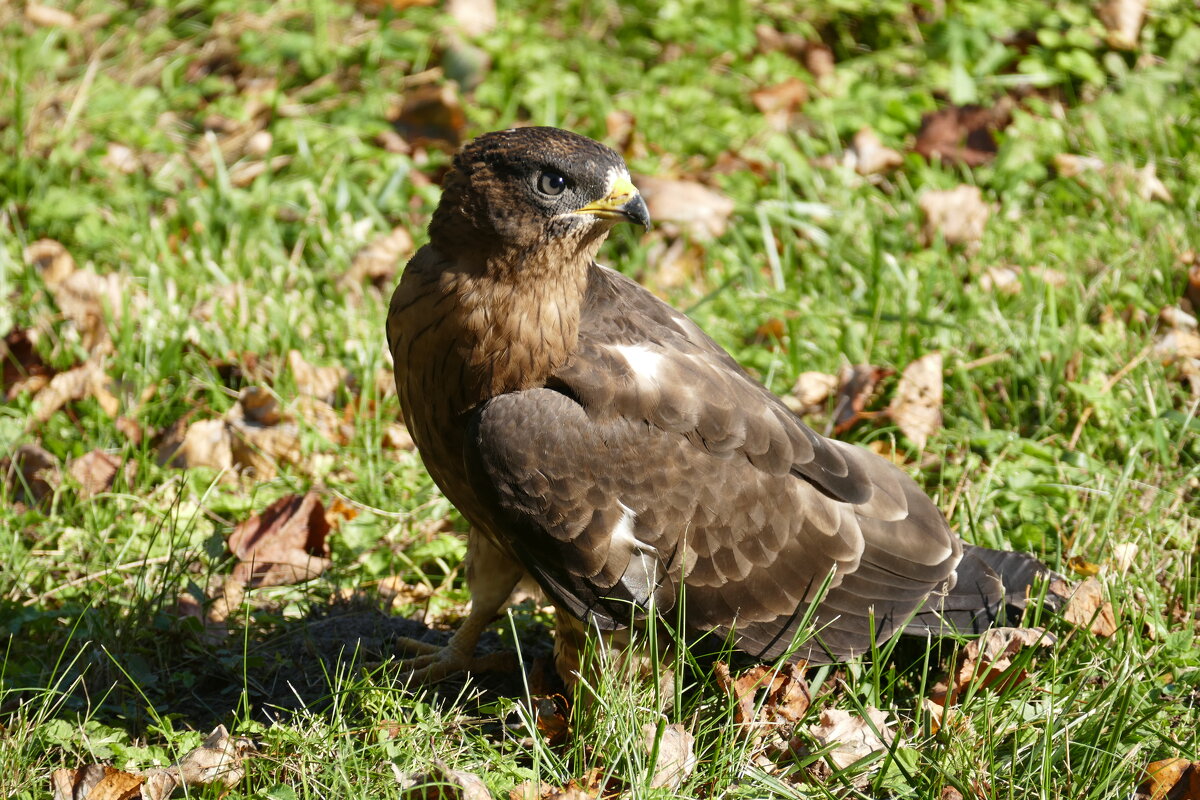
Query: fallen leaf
1176,317
205,443
1192,292
442,783
916,407
1087,608
47,17
985,660
397,437
552,716
676,759
1149,187
474,17
1171,779
856,386
851,737
219,760
96,471
1069,165
260,436
67,388
961,134
31,474
779,102
686,206
958,215
95,782
378,262
51,260
1123,20
120,158
22,367
673,264
869,156
785,693
818,59
1006,280
319,382
811,392
1123,557
282,545
432,116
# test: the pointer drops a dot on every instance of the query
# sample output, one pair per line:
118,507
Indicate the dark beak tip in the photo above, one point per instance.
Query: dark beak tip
637,212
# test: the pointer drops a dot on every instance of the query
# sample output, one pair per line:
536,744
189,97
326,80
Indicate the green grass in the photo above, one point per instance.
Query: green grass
96,665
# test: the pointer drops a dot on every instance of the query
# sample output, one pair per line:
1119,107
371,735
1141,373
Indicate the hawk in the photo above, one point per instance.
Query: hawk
600,443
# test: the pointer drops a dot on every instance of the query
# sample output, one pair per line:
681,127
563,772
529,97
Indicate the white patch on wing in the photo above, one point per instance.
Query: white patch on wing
642,360
622,533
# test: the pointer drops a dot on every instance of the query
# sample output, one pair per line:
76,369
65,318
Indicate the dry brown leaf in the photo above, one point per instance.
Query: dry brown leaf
1069,165
1149,186
1192,292
869,156
87,379
443,783
51,259
552,717
88,300
1123,556
950,793
917,405
319,382
1123,20
850,736
397,437
958,215
432,116
779,102
786,699
686,206
284,544
96,471
378,261
219,760
31,474
811,392
1006,280
1087,608
474,17
856,386
1171,779
676,759
260,435
961,134
206,443
121,159
21,366
47,17
1176,317
984,660
95,782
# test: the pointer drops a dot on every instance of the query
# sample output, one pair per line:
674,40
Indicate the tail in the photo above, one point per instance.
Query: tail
992,588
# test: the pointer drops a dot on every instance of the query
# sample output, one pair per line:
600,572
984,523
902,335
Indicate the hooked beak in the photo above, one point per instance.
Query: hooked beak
623,203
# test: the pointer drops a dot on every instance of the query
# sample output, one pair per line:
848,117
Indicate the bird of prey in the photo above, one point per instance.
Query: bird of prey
599,442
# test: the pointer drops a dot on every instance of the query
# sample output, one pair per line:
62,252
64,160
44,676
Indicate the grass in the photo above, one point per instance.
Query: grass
1063,434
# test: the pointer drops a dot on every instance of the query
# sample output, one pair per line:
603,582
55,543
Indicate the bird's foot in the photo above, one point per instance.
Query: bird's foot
429,663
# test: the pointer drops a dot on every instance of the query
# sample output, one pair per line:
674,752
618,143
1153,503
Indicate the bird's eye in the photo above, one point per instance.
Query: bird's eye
551,183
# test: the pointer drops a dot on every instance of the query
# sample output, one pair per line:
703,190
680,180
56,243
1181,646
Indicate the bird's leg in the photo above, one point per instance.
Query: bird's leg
491,576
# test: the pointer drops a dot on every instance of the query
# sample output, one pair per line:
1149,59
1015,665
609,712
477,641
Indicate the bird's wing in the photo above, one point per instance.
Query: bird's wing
653,460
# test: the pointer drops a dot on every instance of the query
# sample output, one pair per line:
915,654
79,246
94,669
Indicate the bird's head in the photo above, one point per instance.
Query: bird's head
534,189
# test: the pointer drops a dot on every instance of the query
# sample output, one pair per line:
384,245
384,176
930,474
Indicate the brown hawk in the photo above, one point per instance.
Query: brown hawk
599,442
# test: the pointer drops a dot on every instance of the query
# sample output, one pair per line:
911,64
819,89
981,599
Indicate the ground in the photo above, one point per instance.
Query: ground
191,192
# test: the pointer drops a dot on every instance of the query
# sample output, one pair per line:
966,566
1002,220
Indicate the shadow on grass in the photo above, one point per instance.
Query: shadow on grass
131,668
